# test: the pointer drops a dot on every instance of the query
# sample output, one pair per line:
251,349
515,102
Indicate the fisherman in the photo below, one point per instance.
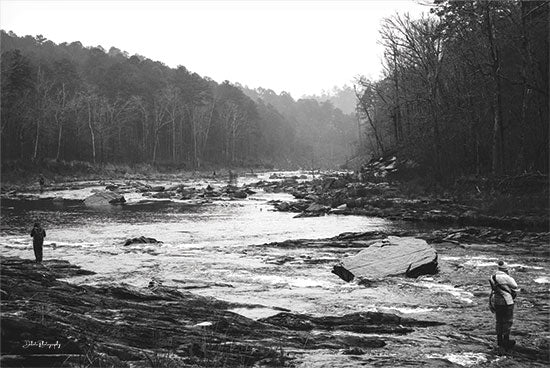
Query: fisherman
41,182
501,302
38,234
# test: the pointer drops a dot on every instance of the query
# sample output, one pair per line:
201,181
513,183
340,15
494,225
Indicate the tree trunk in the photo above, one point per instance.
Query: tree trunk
398,127
207,130
474,131
374,130
526,60
195,156
174,140
59,143
91,131
498,129
155,144
359,138
35,154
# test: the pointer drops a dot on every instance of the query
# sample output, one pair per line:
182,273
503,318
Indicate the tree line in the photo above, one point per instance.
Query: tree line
464,89
70,102
328,136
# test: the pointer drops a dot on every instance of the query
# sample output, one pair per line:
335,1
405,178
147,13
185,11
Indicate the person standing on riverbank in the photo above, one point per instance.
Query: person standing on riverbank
504,290
41,182
38,234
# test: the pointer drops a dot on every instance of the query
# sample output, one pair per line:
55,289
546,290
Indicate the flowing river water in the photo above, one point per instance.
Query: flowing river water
215,249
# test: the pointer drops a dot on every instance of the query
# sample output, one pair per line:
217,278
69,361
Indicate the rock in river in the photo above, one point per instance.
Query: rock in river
142,240
393,256
104,198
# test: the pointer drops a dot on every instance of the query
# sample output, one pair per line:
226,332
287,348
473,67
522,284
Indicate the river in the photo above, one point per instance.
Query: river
214,249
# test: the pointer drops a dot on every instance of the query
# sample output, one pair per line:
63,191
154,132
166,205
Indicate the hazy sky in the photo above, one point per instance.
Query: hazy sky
301,47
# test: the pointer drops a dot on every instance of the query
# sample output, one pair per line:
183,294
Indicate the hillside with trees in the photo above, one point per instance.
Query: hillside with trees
328,136
342,98
70,102
464,91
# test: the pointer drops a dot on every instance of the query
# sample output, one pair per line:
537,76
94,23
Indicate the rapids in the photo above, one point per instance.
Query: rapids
217,249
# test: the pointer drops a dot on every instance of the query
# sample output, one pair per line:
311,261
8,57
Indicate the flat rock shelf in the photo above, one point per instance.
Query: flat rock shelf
47,322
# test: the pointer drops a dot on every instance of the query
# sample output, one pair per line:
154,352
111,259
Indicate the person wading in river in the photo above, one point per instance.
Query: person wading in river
501,303
38,234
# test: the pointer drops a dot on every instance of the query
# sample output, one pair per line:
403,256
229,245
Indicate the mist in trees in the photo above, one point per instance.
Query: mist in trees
70,102
325,136
342,98
464,91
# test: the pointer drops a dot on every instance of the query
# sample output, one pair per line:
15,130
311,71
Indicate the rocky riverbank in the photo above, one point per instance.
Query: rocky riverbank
458,293
48,322
300,314
469,203
349,194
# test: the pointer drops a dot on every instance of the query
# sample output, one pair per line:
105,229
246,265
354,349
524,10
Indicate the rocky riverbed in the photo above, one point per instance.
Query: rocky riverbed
228,282
49,322
349,194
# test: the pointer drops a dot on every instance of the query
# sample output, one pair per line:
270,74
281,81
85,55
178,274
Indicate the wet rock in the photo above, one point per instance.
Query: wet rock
197,284
47,270
299,194
241,194
249,191
142,240
317,208
309,214
158,188
115,325
397,202
299,206
354,351
104,198
210,192
282,206
280,260
143,188
163,195
340,209
393,256
362,322
176,188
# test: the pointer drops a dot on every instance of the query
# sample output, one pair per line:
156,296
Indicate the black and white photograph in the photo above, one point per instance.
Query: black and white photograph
274,183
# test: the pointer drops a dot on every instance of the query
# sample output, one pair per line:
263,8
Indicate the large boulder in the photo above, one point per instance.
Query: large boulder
104,198
393,256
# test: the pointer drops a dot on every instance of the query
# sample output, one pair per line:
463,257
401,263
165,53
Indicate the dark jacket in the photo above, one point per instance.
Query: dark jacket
38,234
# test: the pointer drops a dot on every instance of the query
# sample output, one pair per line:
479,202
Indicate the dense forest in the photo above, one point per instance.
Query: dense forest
70,102
465,90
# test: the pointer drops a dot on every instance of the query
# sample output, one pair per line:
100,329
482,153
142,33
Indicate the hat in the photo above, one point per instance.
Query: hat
502,266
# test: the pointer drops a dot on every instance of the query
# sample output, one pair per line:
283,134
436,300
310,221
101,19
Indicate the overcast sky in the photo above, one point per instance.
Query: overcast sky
302,47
